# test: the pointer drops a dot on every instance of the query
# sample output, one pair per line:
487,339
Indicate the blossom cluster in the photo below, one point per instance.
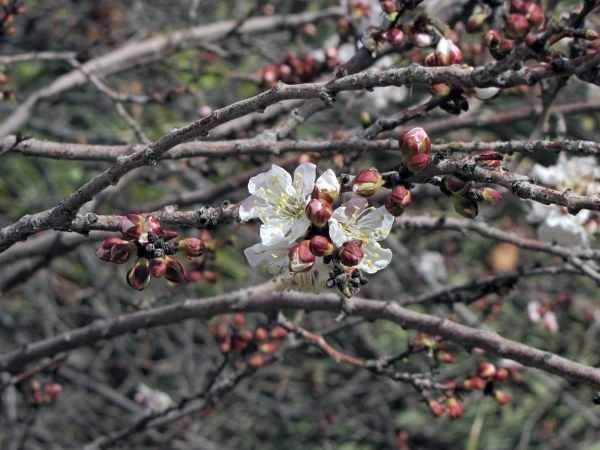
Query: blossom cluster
153,247
308,243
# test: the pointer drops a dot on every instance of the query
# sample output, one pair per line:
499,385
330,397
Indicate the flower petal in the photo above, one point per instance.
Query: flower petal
305,175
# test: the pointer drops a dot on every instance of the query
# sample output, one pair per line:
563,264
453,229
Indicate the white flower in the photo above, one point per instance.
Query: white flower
154,400
280,202
356,220
278,261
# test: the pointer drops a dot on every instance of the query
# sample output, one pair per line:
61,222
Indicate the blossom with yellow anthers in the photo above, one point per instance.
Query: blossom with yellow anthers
357,220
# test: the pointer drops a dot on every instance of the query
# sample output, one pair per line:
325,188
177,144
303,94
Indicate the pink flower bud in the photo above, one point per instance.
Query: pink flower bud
132,224
436,409
239,320
501,397
454,410
192,247
260,335
175,272
351,253
491,195
455,185
301,258
491,39
51,392
152,224
319,212
367,182
476,23
418,162
516,26
401,196
158,267
533,13
439,90
209,276
490,162
389,6
246,335
395,37
320,246
501,374
445,358
414,142
474,383
116,250
268,347
447,53
256,361
279,333
486,370
465,207
138,276
169,235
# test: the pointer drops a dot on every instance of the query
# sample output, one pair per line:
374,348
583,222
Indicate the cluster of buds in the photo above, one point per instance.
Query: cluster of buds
415,147
43,395
465,198
152,245
523,17
250,347
399,199
10,8
374,38
295,70
485,378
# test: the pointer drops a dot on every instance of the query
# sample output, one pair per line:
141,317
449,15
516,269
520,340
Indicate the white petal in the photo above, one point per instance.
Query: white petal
256,181
328,182
271,235
305,174
379,259
299,228
249,209
255,254
277,254
336,233
379,221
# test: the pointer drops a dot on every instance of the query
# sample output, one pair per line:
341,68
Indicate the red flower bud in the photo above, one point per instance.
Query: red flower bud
301,258
246,335
466,207
395,37
476,23
439,90
268,347
132,224
533,13
436,408
192,247
194,276
389,6
418,162
401,196
486,370
279,333
239,320
491,195
447,53
320,246
491,39
392,207
138,276
51,392
256,361
351,253
319,212
516,26
455,185
474,383
367,182
414,142
490,162
239,344
209,276
158,267
260,335
501,374
115,250
445,358
454,410
169,235
501,397
175,272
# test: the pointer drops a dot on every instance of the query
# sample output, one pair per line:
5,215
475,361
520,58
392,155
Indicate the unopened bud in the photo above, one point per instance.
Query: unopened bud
239,320
240,344
351,253
268,347
260,335
453,409
476,23
465,207
152,224
418,38
158,267
455,185
392,207
430,60
474,383
395,37
501,397
367,182
175,272
211,277
320,246
389,6
491,195
169,235
445,358
319,212
245,335
115,250
192,247
486,370
256,361
490,162
484,93
132,224
279,333
138,276
591,35
414,142
439,90
301,258
447,53
501,374
533,13
516,26
225,346
491,39
436,408
51,392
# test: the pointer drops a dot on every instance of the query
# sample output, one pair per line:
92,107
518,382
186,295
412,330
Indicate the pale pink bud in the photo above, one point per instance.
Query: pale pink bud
367,182
501,374
485,93
320,246
132,224
389,6
516,26
279,333
474,383
491,195
256,361
351,253
414,142
447,53
51,392
301,258
401,196
115,250
453,409
319,212
501,397
436,409
175,272
152,224
486,370
138,276
418,38
260,335
439,90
